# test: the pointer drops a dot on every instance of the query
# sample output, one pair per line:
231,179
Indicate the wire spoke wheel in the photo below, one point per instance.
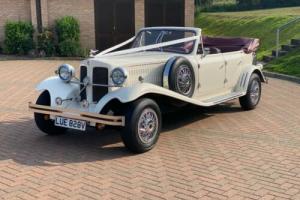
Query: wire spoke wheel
147,125
254,92
184,80
253,95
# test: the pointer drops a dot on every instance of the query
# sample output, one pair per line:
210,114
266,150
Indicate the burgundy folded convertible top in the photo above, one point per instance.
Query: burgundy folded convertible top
249,45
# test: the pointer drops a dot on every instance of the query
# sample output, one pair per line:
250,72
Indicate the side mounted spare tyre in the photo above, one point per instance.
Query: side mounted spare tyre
179,76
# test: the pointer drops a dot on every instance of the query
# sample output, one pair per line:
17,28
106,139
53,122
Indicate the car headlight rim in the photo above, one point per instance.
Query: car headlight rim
119,76
66,72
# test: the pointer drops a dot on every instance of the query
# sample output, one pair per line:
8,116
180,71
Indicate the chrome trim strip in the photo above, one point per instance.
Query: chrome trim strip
166,72
244,83
242,79
97,85
229,98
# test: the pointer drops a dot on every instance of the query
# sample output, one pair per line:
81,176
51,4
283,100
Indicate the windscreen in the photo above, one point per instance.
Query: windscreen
151,37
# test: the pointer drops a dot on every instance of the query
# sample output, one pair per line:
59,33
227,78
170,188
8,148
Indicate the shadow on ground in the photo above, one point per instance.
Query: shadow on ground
22,142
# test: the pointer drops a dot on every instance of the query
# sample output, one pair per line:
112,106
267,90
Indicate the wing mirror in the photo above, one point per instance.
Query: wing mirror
205,53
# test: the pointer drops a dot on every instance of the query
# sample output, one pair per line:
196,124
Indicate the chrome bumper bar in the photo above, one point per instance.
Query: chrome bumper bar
73,114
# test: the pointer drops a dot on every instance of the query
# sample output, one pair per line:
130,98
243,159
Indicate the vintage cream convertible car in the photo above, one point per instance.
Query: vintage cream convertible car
130,84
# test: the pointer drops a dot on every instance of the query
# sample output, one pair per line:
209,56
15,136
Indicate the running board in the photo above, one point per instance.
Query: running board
224,98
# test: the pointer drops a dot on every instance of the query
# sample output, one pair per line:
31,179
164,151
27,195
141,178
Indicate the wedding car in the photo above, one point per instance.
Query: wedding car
131,84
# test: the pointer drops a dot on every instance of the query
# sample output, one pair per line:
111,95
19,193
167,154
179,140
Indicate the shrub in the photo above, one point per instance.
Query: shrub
206,3
239,5
67,28
45,42
18,37
68,33
253,4
70,48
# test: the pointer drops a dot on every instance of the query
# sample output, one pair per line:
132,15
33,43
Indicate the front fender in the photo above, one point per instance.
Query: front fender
57,88
129,94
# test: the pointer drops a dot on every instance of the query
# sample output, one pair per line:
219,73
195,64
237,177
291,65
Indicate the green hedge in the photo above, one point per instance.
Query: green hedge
266,3
70,48
68,34
242,5
18,37
67,28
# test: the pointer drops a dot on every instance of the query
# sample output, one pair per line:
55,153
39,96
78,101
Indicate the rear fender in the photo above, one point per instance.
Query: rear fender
246,75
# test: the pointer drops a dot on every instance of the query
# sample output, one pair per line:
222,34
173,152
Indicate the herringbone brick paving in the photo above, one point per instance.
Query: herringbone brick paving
213,153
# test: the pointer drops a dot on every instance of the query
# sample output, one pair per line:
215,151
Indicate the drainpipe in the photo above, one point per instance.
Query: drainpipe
39,16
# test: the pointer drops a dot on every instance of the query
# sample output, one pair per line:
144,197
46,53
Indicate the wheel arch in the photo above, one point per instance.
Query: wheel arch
57,88
260,74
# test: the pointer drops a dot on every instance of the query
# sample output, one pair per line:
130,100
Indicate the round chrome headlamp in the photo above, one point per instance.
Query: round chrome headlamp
66,72
119,76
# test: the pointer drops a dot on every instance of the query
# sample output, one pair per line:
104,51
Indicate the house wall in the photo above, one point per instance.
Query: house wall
13,10
139,14
189,13
83,10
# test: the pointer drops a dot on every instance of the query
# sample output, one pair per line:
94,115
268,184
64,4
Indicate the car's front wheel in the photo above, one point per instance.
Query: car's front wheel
143,125
43,122
252,98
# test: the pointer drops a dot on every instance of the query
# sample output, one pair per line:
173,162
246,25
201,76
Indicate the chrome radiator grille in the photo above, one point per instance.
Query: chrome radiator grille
100,76
83,74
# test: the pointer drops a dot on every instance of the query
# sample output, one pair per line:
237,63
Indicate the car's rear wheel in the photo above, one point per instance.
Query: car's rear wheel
252,98
43,122
143,125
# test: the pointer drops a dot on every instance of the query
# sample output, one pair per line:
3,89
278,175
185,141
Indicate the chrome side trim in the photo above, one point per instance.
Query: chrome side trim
245,80
97,85
229,98
166,72
242,79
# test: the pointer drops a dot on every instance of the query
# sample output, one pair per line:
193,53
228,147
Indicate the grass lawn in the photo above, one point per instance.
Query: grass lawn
260,24
289,64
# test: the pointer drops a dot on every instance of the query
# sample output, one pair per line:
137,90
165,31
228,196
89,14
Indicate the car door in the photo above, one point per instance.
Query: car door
211,75
233,69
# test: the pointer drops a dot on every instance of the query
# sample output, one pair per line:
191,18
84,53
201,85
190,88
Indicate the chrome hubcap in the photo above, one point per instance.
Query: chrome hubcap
184,80
255,92
147,125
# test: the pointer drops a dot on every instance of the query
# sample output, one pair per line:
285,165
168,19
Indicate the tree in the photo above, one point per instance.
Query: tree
204,3
248,3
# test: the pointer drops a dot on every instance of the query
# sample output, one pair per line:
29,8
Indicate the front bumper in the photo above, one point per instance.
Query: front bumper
73,114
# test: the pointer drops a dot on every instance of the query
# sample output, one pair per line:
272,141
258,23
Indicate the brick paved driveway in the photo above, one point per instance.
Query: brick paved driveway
216,153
